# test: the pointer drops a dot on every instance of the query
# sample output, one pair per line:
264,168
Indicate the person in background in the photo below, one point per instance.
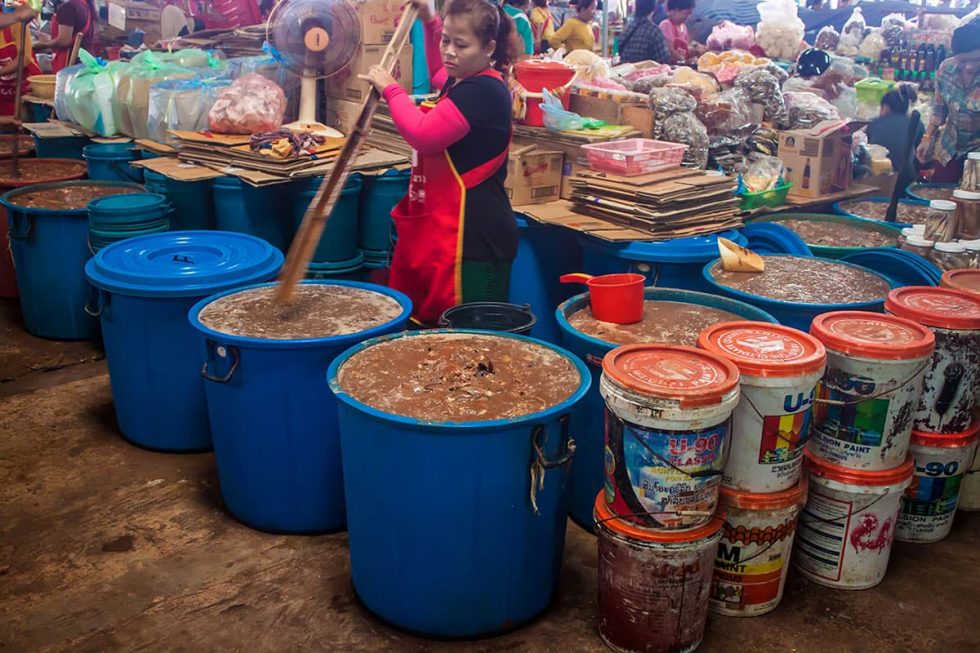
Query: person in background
576,33
890,129
10,45
70,18
542,25
517,10
643,40
457,236
174,22
814,5
956,107
675,30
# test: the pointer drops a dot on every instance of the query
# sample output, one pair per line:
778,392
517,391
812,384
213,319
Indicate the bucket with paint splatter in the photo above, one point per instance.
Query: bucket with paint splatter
845,532
941,463
753,556
862,416
653,585
779,368
668,412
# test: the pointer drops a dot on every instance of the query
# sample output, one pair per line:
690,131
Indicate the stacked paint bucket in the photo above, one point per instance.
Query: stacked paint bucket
763,487
857,456
118,217
668,412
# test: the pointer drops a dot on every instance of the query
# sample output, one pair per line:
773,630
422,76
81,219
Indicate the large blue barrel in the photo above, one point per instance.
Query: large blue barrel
193,201
444,539
274,422
588,420
250,210
118,217
146,287
338,244
50,248
352,270
61,147
379,195
110,162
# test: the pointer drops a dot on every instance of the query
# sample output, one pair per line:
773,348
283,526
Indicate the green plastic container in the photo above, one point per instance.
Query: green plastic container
771,198
836,252
871,90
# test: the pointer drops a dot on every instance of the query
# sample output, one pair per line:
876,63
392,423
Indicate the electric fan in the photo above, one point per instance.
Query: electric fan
313,39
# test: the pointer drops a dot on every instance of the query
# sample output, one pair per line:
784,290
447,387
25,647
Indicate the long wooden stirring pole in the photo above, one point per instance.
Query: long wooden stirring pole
318,213
21,51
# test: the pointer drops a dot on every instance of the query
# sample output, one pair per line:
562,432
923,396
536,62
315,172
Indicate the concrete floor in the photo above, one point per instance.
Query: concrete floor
107,547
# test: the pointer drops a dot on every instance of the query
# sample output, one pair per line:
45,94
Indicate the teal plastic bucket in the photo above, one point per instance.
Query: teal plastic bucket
50,249
193,201
339,239
588,420
62,147
379,195
110,162
249,210
350,270
111,219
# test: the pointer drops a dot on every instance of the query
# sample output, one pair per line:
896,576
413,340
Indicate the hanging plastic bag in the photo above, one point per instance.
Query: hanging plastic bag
872,46
726,35
181,105
780,30
60,83
133,91
251,104
90,96
853,33
828,38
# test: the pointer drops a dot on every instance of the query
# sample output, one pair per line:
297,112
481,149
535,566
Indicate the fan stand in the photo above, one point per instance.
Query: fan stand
316,40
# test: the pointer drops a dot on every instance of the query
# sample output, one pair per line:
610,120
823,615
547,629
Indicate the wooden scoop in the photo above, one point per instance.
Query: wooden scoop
735,258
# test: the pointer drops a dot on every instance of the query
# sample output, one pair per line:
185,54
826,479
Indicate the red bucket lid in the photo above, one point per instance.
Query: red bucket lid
936,307
946,440
620,526
691,376
765,350
967,280
820,467
873,335
794,496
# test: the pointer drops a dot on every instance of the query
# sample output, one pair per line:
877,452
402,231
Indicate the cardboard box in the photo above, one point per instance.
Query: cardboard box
379,19
574,159
636,116
346,85
342,114
127,16
534,177
817,159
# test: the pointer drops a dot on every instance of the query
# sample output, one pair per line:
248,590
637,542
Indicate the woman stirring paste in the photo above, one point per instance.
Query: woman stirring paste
457,235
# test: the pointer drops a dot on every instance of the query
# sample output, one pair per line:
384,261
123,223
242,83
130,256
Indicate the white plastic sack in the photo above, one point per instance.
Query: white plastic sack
181,105
250,105
780,32
853,33
90,96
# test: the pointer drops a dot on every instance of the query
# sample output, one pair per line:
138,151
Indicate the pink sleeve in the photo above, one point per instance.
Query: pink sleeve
667,29
433,36
430,132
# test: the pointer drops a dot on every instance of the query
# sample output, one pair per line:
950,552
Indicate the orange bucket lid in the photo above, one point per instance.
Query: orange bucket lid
620,526
794,496
936,307
967,280
765,350
858,333
690,376
820,467
946,440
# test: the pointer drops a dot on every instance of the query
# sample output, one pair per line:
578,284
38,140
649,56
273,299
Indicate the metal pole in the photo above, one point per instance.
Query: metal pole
605,28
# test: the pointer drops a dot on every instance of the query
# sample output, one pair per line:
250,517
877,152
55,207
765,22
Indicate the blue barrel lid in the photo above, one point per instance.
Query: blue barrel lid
110,150
903,268
693,249
183,264
135,203
774,238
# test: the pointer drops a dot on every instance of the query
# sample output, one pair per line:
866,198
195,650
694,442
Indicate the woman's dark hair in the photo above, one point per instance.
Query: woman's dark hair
679,5
583,4
645,7
966,38
489,23
899,100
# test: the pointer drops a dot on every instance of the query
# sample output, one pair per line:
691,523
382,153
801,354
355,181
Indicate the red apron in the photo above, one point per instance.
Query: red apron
8,83
61,54
427,262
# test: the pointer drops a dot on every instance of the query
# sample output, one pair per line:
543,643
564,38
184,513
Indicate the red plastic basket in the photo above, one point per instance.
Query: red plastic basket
634,156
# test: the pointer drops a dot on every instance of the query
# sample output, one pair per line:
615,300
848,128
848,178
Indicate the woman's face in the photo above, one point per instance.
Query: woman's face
586,14
462,53
679,16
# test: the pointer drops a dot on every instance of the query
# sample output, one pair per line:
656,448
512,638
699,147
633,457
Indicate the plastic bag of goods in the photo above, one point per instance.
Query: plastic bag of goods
893,28
763,173
133,91
807,109
853,33
846,103
763,87
60,82
90,96
251,104
587,64
726,35
556,117
780,30
827,38
872,46
189,58
181,105
675,122
728,113
699,85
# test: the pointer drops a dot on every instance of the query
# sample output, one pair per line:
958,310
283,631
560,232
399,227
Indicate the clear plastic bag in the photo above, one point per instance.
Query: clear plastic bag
556,117
90,96
807,109
133,91
700,85
873,45
181,105
251,104
60,83
827,38
726,35
667,101
685,128
853,33
846,102
763,87
893,28
189,58
727,114
780,30
762,173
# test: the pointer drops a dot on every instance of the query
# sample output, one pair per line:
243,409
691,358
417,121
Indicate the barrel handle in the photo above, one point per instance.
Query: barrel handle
27,233
220,350
541,464
97,294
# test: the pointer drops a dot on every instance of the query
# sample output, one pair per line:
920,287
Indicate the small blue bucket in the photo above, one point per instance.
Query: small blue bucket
146,286
274,423
339,240
249,210
110,162
379,195
444,540
588,420
193,201
61,147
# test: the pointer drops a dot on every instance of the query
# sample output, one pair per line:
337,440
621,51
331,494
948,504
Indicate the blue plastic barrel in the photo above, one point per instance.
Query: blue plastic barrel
444,539
193,201
351,270
110,162
61,147
838,207
675,263
339,240
146,287
274,423
794,314
379,195
50,248
118,217
588,420
918,191
250,210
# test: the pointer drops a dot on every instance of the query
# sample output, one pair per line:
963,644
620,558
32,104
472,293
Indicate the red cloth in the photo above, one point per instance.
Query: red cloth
73,13
8,83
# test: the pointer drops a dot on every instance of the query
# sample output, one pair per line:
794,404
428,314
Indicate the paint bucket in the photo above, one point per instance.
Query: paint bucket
756,543
778,369
490,316
653,585
462,552
193,201
862,417
941,463
667,420
965,279
844,536
110,162
952,380
250,210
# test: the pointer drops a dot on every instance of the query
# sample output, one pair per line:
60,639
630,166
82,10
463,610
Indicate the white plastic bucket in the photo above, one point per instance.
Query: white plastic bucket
779,368
941,463
753,556
667,420
862,416
845,532
653,585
